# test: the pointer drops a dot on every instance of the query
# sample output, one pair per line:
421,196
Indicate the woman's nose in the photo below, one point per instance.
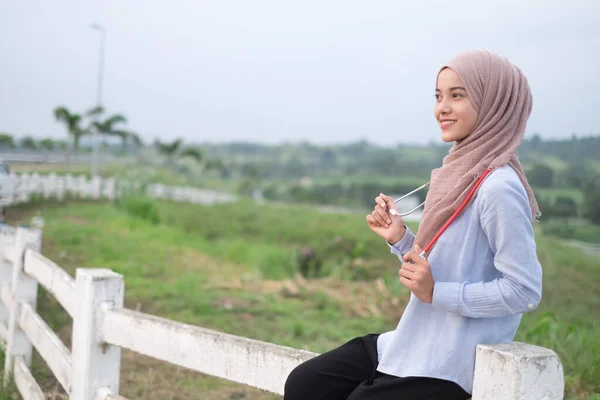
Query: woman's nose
444,107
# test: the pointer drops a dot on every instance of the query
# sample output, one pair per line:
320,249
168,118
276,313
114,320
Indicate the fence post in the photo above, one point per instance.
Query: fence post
517,371
24,290
95,365
5,278
96,187
60,188
82,187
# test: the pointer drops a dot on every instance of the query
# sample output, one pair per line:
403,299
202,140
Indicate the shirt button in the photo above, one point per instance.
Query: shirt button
530,306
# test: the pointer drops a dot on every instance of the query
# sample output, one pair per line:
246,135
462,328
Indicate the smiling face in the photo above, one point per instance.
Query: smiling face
453,111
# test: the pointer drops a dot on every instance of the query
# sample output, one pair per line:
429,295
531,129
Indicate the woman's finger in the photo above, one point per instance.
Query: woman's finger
409,267
383,212
412,257
385,198
410,275
371,221
379,219
380,202
389,202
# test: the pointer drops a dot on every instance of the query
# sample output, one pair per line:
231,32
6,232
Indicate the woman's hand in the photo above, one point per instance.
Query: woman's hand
416,275
389,227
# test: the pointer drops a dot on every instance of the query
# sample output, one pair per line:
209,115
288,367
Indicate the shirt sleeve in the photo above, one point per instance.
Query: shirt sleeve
404,245
506,222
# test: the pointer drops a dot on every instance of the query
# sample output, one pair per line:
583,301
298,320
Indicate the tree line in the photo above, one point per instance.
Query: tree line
79,125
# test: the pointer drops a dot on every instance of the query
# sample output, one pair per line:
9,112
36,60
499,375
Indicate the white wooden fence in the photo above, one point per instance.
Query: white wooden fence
20,188
102,326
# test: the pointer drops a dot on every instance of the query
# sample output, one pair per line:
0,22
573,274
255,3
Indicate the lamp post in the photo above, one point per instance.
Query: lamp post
102,31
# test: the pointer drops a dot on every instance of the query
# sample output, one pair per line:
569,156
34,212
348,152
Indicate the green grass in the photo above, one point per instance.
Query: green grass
177,269
9,392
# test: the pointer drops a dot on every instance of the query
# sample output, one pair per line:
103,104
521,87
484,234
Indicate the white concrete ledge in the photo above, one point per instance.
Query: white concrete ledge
251,362
517,371
25,382
53,278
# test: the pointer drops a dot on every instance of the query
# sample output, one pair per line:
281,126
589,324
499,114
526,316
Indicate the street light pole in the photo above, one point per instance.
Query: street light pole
98,96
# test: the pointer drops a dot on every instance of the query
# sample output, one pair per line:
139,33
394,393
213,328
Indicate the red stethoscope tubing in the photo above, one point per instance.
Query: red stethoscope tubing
457,212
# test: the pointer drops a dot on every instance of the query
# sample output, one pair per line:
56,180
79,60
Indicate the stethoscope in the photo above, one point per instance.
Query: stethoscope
452,217
393,212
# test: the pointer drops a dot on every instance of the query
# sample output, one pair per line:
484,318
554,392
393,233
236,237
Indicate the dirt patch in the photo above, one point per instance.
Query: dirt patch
356,299
77,220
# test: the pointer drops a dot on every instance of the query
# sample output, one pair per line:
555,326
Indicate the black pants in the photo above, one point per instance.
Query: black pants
350,373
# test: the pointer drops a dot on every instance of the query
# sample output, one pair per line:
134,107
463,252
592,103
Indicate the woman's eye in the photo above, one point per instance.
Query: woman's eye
437,96
456,95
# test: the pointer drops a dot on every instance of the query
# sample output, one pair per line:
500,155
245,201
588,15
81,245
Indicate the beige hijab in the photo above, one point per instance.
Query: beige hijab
500,93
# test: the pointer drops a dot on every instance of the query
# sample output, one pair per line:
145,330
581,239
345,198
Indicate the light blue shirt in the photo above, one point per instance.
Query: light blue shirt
486,275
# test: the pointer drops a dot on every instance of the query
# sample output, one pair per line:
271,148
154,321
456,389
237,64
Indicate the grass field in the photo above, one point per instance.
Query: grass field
235,269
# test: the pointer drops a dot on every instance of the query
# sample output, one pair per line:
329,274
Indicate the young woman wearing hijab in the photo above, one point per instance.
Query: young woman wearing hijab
481,275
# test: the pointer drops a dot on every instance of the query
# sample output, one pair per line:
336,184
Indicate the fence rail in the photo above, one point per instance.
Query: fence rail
102,327
21,188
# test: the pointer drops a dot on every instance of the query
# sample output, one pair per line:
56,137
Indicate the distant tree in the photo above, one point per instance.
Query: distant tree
535,141
592,200
577,174
72,122
565,207
541,176
193,153
60,145
168,150
545,205
218,165
29,143
7,141
124,136
136,139
94,112
47,144
108,126
328,158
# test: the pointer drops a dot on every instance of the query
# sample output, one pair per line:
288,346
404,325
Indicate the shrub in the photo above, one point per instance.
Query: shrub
140,207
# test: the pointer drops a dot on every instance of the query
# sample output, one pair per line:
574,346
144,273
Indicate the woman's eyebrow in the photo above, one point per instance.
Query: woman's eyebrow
453,88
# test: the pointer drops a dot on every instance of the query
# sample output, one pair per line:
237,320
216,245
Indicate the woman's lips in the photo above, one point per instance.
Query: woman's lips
447,123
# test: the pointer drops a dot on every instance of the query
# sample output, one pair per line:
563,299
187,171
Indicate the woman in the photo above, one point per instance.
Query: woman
482,273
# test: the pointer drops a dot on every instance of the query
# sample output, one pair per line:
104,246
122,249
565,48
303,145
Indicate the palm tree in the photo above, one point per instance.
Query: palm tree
193,153
137,141
107,127
124,136
72,121
95,111
169,150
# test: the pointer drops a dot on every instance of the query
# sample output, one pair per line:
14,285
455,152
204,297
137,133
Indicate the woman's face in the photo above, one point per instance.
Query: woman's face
453,110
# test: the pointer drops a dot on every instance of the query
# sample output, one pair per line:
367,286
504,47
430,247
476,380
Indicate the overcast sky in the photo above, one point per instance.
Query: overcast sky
271,71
